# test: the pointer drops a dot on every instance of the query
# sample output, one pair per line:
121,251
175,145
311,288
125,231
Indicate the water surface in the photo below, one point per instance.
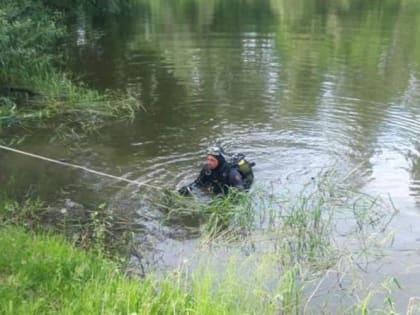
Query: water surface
298,86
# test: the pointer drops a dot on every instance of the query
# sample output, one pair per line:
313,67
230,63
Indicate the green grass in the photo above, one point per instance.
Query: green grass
33,91
293,242
42,274
67,106
231,214
290,249
104,230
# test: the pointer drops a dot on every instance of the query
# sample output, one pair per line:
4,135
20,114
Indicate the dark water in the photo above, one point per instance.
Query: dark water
299,86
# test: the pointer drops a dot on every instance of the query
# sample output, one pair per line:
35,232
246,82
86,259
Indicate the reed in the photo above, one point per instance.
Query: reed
293,258
33,91
104,230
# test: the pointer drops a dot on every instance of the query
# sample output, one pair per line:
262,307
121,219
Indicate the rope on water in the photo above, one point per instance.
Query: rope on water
80,167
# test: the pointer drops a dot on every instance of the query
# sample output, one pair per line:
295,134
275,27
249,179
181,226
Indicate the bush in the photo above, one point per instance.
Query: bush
27,31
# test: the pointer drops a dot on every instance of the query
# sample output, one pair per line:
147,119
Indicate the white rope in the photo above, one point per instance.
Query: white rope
84,168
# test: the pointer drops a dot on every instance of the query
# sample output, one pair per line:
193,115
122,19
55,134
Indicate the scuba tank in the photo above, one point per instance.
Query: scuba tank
244,167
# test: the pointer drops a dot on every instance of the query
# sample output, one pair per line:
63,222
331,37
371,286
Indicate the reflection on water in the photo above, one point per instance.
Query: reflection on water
298,86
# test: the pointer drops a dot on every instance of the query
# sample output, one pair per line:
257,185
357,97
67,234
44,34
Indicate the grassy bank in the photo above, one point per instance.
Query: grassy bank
42,274
32,88
304,253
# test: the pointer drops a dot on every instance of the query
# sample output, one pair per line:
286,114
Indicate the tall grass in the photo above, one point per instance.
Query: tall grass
258,254
227,214
33,89
299,241
104,230
42,274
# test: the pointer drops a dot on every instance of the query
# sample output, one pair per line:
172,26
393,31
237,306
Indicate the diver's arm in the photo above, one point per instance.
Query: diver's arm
200,181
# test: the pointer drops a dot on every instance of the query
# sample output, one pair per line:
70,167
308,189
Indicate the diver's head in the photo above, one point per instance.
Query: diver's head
215,157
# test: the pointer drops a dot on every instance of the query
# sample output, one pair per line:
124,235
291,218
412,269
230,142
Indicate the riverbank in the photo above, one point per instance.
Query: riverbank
43,274
304,255
33,89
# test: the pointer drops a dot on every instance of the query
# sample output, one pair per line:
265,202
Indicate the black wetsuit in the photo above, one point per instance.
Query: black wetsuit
220,179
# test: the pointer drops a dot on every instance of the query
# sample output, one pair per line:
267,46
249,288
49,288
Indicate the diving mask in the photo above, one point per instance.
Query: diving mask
216,151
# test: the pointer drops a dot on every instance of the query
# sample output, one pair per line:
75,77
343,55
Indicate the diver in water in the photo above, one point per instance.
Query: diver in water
218,175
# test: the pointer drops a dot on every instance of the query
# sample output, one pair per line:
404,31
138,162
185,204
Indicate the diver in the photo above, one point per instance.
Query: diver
219,175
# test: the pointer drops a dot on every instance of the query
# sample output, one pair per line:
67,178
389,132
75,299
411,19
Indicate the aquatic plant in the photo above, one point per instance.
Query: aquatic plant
32,88
102,229
287,255
224,214
298,240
